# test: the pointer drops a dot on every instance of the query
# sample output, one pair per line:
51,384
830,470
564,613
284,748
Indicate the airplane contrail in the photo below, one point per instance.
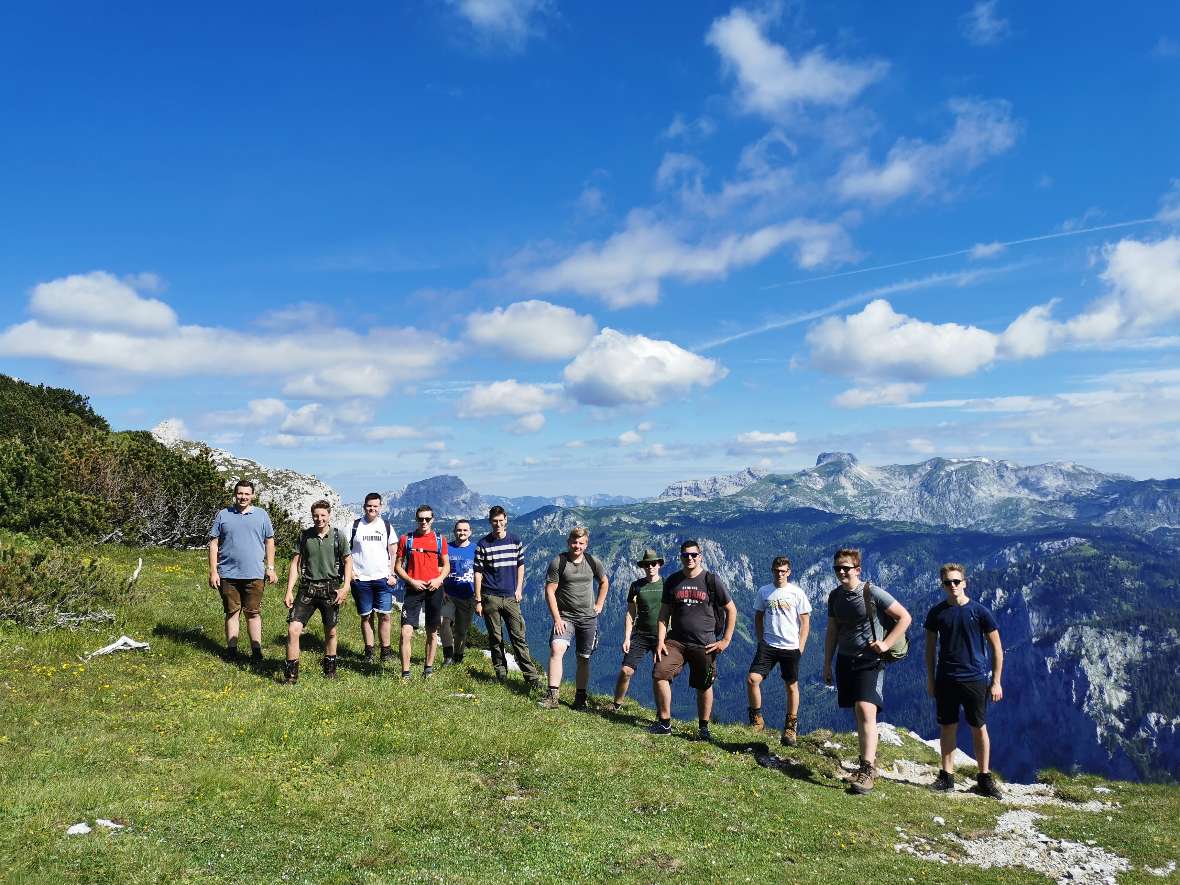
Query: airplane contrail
1037,239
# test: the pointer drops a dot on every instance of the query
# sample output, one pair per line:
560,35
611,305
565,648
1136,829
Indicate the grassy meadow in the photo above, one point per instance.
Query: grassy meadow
222,774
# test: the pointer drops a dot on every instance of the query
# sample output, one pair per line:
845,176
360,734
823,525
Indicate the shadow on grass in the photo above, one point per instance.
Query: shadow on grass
765,757
200,640
518,685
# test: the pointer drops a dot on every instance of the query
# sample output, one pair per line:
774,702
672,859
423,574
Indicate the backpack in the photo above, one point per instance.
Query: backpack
901,647
596,568
410,550
356,524
335,548
720,610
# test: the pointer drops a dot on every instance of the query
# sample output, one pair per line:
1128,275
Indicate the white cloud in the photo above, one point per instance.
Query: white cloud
629,438
772,83
629,267
644,426
309,420
1170,204
298,316
617,369
99,300
762,438
590,202
147,281
655,450
921,445
530,423
535,330
383,432
508,398
879,395
985,250
983,26
576,444
147,342
680,169
258,413
507,22
878,342
982,129
700,128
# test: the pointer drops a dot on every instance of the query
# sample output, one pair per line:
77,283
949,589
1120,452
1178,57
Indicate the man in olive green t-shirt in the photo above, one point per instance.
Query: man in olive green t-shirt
640,630
322,564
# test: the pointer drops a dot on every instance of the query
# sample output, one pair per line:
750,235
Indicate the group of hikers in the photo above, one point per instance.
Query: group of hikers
685,620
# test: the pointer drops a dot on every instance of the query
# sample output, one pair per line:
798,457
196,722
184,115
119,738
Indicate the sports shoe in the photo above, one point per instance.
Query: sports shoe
256,659
790,734
387,654
944,783
756,721
704,734
550,701
659,728
330,667
579,701
368,655
291,673
615,707
427,672
862,781
985,785
406,677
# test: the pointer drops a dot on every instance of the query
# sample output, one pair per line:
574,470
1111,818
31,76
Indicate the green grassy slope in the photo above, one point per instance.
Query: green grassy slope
224,775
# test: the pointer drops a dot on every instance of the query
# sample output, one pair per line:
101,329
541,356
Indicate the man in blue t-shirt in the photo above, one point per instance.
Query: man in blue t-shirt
241,556
962,629
459,587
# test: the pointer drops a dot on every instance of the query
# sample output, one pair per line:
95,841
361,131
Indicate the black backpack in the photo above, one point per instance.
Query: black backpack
720,609
596,568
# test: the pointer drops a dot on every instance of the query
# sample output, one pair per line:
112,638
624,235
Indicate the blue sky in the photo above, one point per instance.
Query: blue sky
569,248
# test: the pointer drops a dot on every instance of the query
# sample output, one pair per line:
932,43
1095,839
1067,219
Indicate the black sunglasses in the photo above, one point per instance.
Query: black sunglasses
951,582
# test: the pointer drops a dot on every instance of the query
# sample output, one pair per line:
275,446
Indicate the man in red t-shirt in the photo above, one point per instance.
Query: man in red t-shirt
423,562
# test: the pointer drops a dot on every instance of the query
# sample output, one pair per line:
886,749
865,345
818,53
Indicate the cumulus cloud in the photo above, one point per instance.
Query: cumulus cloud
878,395
383,432
508,398
772,83
530,423
258,413
95,321
762,438
983,26
509,23
532,330
98,300
617,369
629,438
879,342
629,267
982,130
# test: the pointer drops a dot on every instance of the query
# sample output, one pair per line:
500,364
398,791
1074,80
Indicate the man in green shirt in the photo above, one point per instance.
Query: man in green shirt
640,628
322,564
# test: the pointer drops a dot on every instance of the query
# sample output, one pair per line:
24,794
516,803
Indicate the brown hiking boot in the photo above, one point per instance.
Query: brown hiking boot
790,735
756,721
549,701
862,781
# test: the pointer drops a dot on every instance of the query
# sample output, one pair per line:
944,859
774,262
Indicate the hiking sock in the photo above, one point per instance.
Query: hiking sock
405,674
755,711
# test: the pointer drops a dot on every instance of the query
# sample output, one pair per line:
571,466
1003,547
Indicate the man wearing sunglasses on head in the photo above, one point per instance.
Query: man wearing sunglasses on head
423,563
860,671
962,629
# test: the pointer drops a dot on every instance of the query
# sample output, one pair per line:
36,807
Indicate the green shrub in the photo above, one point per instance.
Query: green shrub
51,586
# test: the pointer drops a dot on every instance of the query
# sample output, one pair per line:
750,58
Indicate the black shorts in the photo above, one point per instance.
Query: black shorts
583,631
787,659
416,600
641,646
950,695
307,603
859,683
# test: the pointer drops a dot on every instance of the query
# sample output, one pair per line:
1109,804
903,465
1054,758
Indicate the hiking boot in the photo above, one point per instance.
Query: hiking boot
704,734
790,733
330,667
501,677
862,781
660,728
256,659
230,655
427,672
756,721
550,701
290,672
944,783
406,677
386,654
985,785
579,701
368,655
615,707
447,662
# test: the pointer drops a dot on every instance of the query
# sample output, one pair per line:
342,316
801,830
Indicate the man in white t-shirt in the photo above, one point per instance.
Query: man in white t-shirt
373,546
782,620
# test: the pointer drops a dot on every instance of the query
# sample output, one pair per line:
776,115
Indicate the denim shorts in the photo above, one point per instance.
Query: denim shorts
372,596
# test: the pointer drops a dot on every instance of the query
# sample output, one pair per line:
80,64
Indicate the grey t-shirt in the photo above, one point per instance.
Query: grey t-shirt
853,632
577,588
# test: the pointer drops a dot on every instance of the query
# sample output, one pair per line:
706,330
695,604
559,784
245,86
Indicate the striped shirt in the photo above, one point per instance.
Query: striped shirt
497,559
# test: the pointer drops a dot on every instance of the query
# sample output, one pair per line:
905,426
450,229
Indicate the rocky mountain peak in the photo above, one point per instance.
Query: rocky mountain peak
846,458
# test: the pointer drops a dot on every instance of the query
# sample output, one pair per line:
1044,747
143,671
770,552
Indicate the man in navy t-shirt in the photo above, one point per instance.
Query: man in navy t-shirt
962,630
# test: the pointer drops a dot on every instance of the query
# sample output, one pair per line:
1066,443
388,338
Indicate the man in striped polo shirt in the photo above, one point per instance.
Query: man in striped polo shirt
499,587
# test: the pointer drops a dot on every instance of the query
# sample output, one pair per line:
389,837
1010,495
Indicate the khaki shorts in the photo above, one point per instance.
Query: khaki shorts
241,593
701,664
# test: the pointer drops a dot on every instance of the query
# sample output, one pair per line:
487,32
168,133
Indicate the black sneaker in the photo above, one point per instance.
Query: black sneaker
406,677
944,783
659,728
291,673
368,655
230,655
256,659
579,701
985,785
330,667
386,654
704,734
427,672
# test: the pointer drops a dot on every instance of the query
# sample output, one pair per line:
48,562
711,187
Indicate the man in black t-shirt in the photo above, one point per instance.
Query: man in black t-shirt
690,596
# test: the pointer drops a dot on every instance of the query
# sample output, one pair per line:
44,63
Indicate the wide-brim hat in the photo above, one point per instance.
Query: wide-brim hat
650,556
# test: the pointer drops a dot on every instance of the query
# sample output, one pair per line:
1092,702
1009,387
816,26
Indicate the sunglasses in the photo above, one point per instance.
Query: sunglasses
690,555
951,582
846,568
425,519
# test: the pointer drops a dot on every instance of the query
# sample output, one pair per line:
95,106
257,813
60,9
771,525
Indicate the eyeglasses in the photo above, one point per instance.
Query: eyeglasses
847,568
951,582
425,519
690,555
